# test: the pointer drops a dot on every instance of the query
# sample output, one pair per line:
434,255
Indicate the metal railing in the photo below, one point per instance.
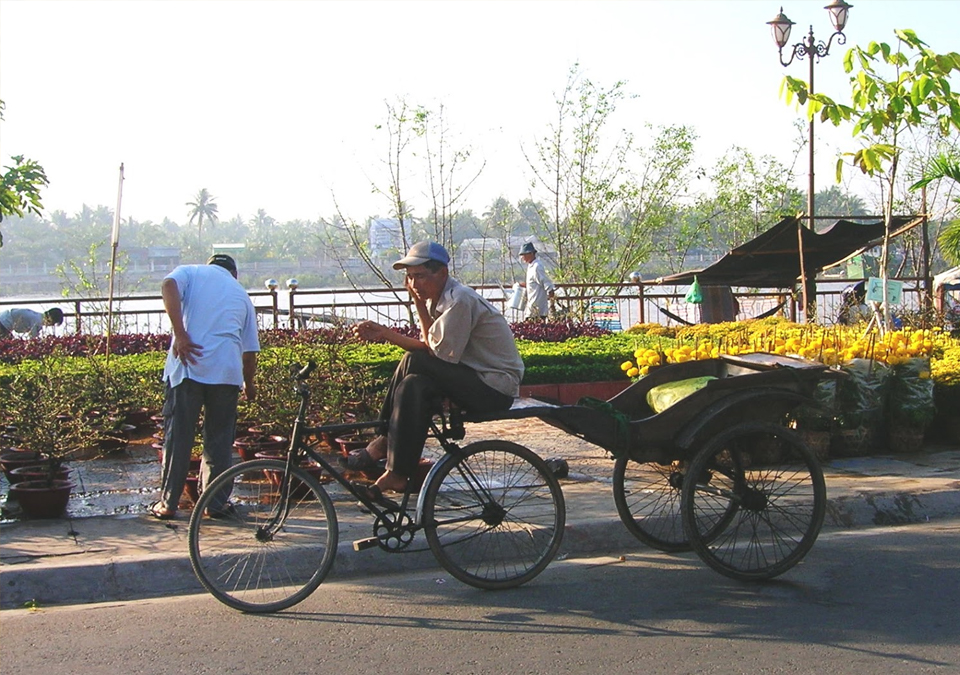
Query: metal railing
302,308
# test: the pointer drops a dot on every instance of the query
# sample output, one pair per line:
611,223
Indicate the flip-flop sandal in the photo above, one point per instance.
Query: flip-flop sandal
374,494
359,460
161,512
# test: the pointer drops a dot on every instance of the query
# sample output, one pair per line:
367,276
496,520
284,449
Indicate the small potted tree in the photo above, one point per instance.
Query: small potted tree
42,403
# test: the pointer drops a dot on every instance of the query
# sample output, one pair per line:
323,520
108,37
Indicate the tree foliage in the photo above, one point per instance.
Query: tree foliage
20,186
202,206
600,215
892,92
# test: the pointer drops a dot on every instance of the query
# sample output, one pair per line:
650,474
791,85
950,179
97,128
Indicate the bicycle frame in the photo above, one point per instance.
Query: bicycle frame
451,428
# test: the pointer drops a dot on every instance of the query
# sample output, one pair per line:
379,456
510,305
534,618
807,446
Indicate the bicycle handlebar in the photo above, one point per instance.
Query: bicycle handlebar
300,373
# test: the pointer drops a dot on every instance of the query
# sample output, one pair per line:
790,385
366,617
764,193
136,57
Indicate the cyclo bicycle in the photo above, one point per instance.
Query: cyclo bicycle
493,514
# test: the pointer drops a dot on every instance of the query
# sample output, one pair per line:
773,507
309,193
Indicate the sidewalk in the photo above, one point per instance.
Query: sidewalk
108,548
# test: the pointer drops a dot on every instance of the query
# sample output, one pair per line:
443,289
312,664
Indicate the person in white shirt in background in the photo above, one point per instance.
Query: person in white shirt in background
539,286
212,358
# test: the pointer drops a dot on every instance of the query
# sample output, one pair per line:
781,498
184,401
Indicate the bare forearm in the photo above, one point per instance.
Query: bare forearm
172,305
426,321
374,332
249,375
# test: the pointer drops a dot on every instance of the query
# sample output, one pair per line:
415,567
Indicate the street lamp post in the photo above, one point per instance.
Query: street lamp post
811,50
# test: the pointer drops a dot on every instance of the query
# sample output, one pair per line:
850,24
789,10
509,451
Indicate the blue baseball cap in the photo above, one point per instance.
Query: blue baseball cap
422,252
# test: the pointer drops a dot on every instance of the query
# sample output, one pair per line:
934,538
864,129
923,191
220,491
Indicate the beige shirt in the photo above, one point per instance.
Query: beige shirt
469,330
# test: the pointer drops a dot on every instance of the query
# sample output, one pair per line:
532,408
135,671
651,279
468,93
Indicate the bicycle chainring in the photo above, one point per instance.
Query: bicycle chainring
394,531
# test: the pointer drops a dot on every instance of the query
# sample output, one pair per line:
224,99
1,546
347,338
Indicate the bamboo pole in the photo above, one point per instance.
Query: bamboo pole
114,242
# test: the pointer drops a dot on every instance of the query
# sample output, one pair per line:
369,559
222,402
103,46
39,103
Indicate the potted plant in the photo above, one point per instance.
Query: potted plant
911,406
41,400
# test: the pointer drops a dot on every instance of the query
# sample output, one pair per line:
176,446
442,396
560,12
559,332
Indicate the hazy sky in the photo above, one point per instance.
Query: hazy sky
274,105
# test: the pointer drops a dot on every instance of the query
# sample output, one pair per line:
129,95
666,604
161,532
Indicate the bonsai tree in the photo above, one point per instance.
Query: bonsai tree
42,402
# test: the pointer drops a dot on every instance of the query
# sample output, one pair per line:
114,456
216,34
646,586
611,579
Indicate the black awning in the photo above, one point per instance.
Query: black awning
772,260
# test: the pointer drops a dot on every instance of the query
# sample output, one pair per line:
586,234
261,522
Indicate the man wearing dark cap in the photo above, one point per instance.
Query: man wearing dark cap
538,284
213,355
466,353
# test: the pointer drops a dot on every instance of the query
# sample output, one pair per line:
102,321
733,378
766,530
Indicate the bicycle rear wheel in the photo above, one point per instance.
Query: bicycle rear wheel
260,556
494,516
753,501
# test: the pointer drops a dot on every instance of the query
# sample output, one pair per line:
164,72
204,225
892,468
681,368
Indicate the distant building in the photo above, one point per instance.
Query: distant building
384,236
163,257
230,249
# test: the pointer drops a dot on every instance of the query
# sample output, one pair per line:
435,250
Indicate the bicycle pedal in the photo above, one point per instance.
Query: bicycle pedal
364,544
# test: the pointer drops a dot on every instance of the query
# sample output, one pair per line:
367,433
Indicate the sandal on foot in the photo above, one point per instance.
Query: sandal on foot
374,494
358,460
161,512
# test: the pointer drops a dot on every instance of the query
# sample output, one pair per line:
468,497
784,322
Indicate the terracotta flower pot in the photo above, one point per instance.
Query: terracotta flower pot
353,442
139,417
37,472
300,490
11,459
42,499
249,447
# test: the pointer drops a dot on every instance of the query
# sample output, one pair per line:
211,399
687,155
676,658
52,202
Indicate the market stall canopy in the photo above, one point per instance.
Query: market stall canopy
772,259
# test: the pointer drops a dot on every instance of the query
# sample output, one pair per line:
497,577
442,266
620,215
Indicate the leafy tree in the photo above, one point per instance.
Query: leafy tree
893,92
834,201
202,206
749,193
599,218
404,123
444,167
20,186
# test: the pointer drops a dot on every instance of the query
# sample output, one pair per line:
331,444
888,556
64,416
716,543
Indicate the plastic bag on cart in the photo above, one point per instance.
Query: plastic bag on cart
665,395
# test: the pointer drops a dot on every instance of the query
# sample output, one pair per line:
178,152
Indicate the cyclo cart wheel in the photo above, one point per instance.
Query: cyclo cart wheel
648,499
647,495
766,488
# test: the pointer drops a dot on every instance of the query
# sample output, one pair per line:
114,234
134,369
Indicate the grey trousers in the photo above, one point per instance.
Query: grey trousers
181,412
420,381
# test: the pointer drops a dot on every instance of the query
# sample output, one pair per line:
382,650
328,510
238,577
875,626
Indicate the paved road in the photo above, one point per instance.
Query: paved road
881,600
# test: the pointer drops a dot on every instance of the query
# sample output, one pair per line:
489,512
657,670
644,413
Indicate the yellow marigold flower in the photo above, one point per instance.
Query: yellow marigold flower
633,372
626,365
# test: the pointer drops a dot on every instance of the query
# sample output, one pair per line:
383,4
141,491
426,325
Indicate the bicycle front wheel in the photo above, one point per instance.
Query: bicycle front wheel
494,516
261,554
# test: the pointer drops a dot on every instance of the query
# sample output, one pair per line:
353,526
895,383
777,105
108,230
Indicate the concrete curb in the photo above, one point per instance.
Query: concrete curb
122,578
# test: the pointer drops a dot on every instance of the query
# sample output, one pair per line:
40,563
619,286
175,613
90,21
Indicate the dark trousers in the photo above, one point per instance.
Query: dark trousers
419,383
181,412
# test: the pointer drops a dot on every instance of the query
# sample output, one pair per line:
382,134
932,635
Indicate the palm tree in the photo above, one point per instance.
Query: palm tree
945,166
202,206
